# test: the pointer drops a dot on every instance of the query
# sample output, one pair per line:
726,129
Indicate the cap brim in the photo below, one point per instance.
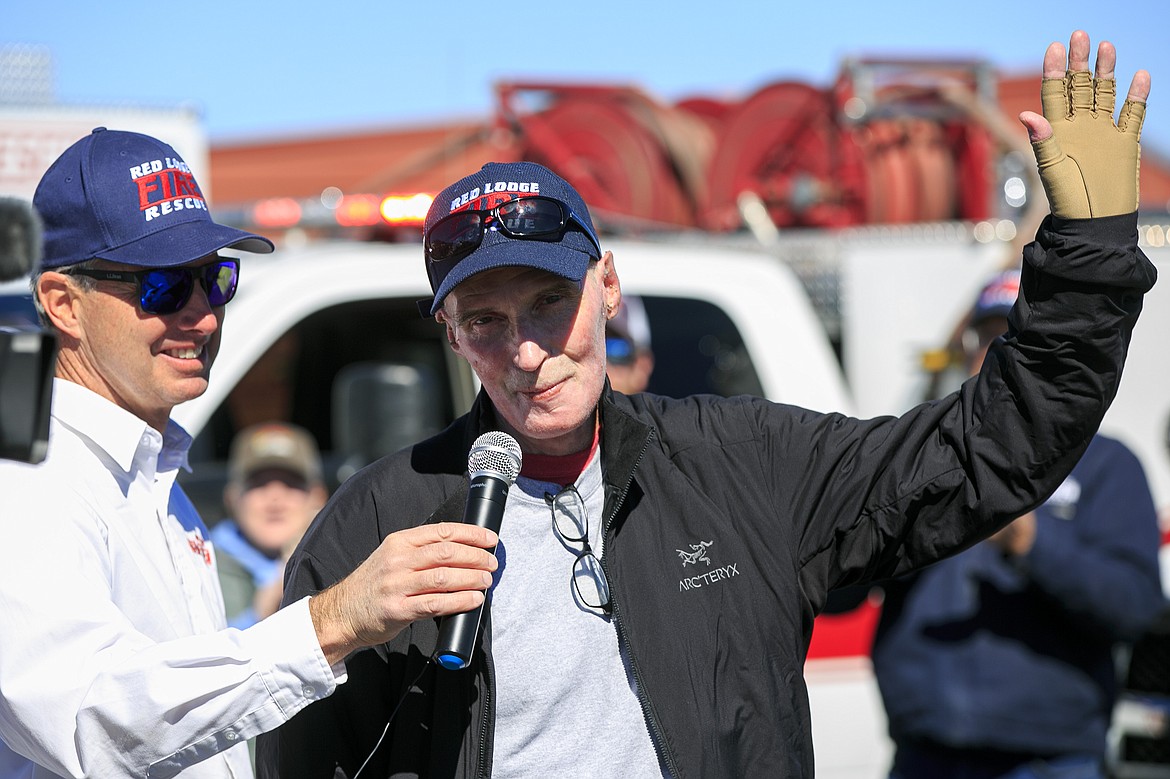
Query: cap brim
186,242
502,252
275,464
996,312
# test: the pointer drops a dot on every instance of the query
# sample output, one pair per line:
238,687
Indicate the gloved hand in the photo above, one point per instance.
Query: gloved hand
1089,165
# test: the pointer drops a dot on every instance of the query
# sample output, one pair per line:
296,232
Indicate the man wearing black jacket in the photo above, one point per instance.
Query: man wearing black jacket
661,561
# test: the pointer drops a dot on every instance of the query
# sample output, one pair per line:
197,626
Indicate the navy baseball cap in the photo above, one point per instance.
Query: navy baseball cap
566,253
129,198
997,296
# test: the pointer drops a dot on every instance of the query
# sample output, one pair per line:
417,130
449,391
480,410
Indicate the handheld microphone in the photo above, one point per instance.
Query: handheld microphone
493,465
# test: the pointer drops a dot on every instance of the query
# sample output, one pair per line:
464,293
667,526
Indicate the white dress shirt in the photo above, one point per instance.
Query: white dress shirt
115,660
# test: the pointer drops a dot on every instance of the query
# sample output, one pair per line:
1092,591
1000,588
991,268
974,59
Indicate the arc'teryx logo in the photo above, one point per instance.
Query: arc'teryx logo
698,553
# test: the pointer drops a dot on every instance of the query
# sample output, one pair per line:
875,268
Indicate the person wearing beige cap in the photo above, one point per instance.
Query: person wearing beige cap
275,488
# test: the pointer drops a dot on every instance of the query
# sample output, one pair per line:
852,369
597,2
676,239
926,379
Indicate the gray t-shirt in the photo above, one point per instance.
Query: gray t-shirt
565,702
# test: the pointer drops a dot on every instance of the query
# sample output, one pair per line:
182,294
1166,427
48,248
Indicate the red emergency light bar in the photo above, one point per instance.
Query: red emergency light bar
406,209
358,210
277,212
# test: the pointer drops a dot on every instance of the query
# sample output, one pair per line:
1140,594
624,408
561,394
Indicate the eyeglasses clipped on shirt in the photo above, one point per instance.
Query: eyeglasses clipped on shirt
570,523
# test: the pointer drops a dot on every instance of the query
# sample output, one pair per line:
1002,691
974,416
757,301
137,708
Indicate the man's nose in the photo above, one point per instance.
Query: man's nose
199,314
529,353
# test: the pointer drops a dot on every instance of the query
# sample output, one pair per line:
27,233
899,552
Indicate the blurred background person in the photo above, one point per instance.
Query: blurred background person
999,662
629,360
275,488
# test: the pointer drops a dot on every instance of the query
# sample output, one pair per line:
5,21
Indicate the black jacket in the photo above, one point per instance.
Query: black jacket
786,504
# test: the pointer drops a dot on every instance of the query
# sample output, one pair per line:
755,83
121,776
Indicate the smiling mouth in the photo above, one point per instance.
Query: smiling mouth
190,353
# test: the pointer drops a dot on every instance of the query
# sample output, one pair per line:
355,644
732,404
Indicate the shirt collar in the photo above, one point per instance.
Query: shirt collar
116,430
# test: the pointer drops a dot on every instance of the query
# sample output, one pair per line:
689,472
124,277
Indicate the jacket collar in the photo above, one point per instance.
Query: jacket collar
624,440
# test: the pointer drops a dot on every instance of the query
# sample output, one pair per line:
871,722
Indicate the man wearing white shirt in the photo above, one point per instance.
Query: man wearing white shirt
115,658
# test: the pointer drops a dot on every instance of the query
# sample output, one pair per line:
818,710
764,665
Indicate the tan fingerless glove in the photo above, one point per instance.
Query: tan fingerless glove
1089,166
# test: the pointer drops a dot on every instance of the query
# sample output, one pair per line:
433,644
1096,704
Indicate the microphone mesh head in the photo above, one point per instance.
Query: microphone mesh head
495,454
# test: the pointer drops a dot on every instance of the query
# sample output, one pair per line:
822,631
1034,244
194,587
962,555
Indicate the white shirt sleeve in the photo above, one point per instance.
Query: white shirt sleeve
170,705
100,675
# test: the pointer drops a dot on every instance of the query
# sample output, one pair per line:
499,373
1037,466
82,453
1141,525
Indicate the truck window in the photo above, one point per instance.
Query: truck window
697,349
378,353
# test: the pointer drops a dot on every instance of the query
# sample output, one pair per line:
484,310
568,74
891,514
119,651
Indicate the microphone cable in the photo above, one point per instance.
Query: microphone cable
494,460
386,729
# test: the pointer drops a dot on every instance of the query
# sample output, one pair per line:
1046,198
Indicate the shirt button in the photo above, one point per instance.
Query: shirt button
231,735
309,691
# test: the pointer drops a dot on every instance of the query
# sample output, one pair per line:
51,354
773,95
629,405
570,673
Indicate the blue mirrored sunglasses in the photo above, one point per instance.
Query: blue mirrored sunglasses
619,351
166,290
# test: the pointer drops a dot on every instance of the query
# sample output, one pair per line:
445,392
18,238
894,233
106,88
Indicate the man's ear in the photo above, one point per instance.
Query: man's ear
611,284
442,319
60,298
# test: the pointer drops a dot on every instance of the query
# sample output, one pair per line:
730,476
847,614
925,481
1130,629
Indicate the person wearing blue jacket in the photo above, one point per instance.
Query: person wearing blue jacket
275,488
999,662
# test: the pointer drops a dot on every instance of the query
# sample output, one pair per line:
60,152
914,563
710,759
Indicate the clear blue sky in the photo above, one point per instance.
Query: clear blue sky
258,69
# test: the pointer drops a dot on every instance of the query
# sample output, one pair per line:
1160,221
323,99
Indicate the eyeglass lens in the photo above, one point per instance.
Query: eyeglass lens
589,581
531,216
571,523
454,235
166,290
618,350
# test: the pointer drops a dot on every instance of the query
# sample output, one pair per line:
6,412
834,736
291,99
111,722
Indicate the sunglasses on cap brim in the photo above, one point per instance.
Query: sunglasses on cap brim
534,218
166,290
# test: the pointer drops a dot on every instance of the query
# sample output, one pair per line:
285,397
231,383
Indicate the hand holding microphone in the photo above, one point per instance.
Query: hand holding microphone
423,572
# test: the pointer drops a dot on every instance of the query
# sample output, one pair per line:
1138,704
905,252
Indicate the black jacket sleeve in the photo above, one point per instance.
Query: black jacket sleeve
887,496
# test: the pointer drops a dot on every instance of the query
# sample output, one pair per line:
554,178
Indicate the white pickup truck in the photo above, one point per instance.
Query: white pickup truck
328,335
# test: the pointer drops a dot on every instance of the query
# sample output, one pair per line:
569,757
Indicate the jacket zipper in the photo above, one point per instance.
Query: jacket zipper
481,769
664,756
